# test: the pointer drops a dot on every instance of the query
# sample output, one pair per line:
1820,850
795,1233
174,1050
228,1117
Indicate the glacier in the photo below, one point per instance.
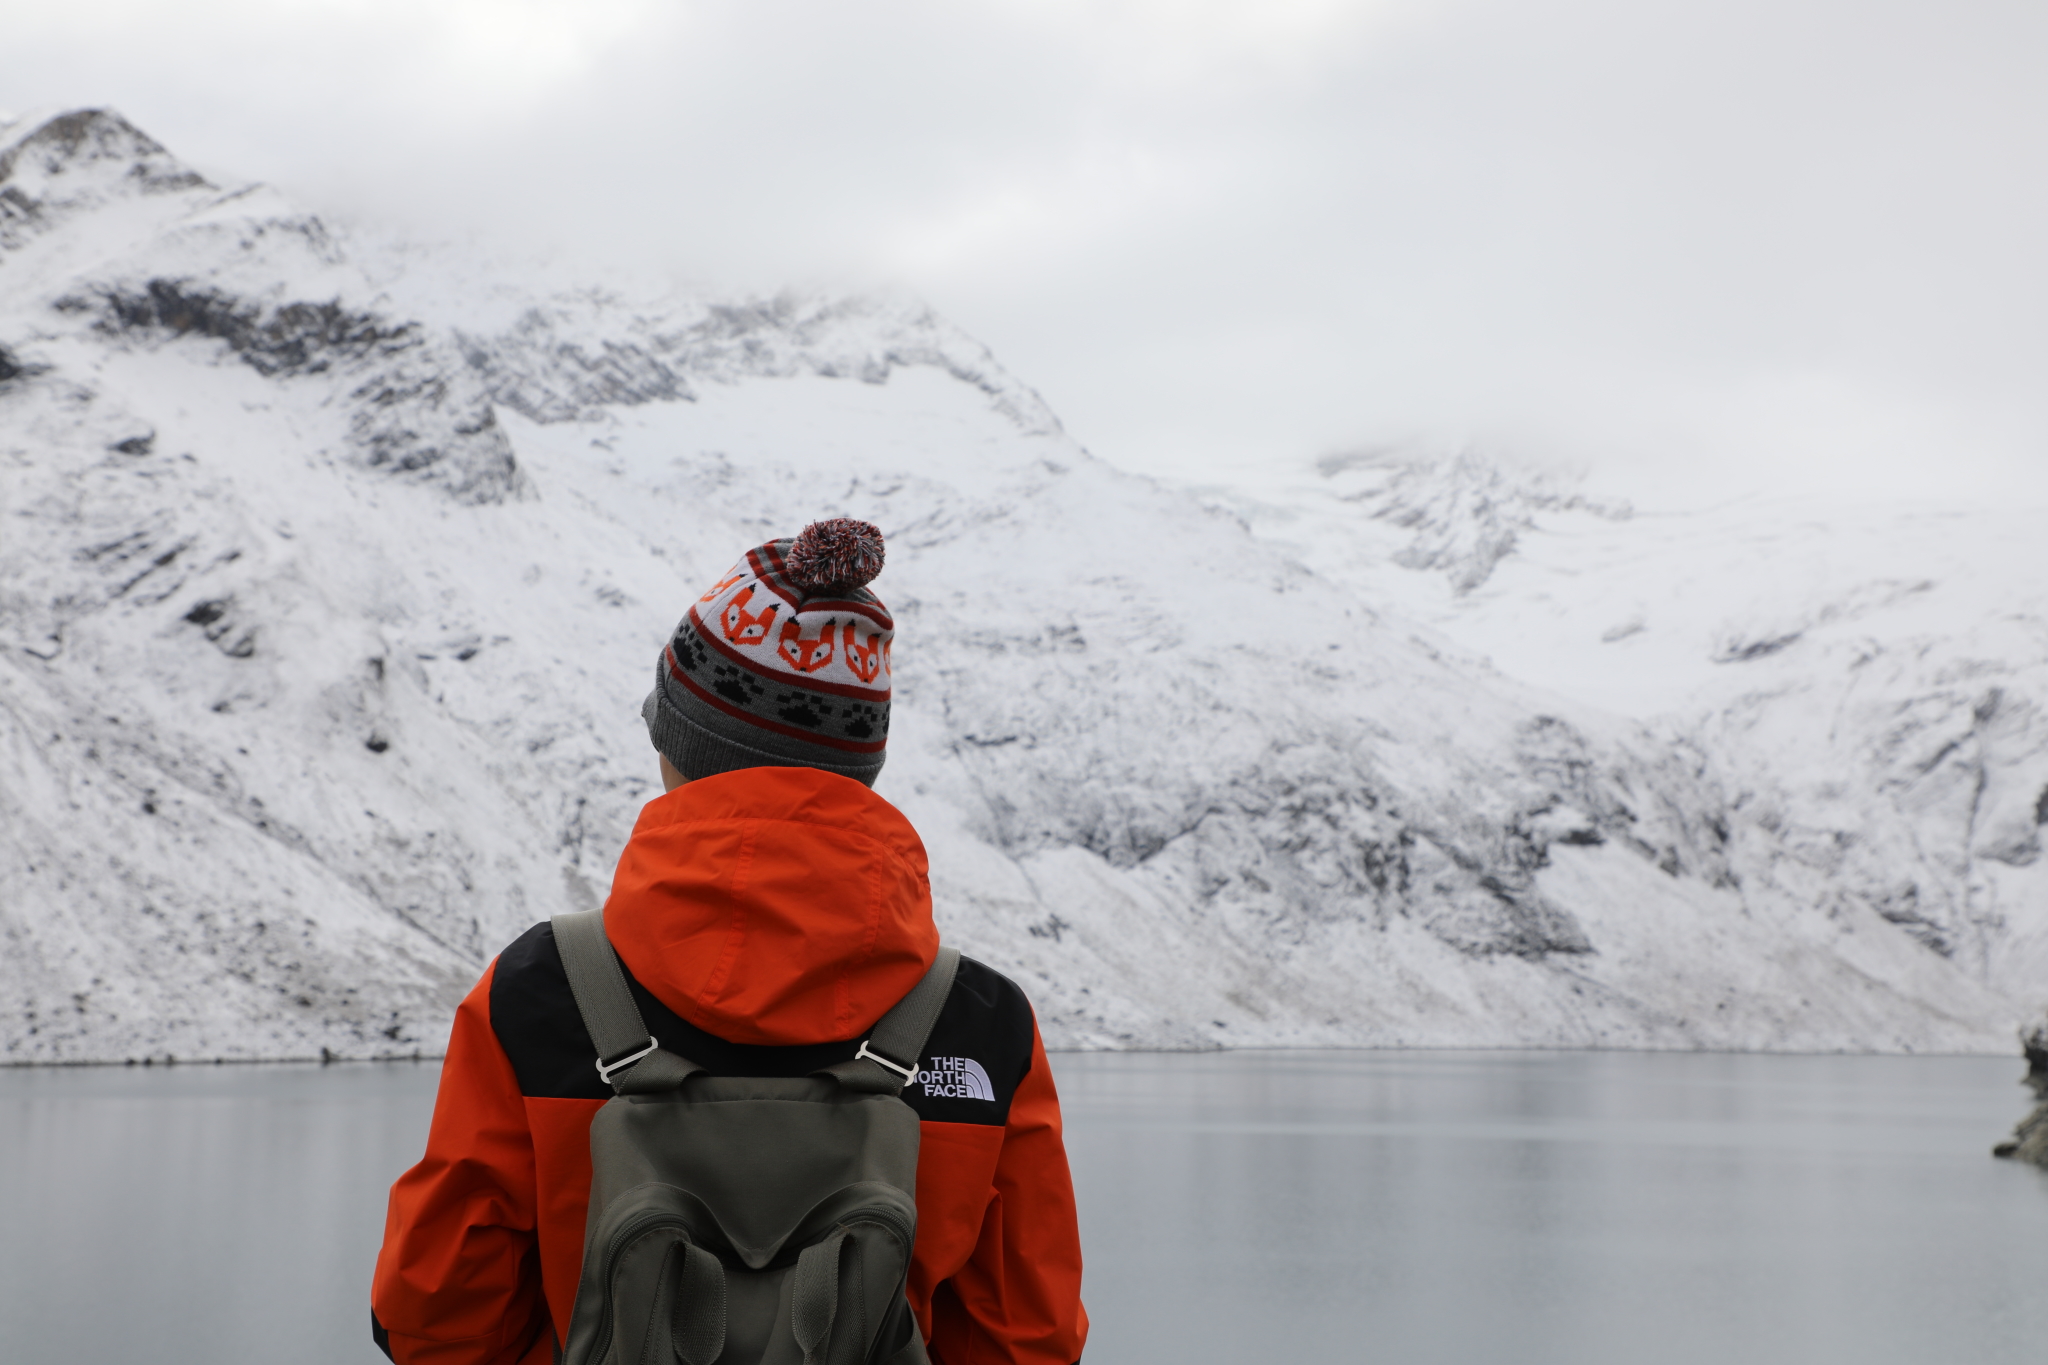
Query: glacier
333,568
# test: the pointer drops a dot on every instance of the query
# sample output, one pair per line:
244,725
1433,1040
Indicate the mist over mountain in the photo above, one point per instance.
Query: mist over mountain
332,572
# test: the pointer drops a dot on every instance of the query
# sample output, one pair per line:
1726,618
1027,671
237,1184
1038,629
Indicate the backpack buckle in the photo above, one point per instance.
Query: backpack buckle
605,1070
908,1073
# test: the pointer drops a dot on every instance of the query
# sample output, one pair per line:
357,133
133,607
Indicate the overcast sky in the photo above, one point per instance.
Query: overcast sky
1794,242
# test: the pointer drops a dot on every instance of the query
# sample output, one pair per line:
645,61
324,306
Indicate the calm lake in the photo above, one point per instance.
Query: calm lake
1576,1208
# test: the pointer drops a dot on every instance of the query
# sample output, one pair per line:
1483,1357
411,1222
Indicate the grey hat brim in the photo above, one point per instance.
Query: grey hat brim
698,751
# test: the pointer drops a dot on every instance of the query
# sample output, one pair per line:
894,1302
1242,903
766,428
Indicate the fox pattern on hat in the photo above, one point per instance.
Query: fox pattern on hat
785,662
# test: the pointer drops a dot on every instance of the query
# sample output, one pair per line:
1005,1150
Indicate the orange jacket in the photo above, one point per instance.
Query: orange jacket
766,919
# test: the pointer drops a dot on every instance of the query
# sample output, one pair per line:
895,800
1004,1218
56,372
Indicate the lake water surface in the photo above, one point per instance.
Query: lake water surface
1576,1208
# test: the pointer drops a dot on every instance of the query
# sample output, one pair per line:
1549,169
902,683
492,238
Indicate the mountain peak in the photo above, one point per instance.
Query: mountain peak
68,156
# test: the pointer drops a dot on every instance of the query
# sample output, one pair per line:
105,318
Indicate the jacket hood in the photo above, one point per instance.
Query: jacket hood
774,905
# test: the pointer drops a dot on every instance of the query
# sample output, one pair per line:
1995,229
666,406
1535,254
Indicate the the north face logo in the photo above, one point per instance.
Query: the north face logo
956,1078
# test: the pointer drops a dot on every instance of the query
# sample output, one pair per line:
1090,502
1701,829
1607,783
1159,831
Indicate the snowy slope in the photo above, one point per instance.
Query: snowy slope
332,573
1867,677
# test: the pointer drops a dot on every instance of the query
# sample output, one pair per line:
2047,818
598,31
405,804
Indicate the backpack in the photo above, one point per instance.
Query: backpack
764,1221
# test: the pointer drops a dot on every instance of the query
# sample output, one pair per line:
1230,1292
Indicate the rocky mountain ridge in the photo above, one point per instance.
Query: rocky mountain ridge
1868,679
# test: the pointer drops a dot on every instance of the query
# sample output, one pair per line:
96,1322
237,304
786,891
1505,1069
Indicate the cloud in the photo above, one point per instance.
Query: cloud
1772,237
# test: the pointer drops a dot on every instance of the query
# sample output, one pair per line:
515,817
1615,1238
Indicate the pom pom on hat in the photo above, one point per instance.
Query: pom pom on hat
839,554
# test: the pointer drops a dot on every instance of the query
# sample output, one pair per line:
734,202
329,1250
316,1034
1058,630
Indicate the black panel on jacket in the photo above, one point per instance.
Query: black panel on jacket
978,1052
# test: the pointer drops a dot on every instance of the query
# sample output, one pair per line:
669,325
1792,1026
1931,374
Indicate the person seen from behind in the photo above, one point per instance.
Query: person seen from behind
768,912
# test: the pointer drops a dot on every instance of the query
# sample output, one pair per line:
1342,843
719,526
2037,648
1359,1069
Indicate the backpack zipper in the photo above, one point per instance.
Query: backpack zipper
887,1218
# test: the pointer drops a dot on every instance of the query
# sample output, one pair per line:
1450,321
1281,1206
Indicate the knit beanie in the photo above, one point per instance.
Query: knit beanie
784,663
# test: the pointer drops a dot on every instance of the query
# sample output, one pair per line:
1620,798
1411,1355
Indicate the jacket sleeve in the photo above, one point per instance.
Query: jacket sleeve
1018,1298
458,1279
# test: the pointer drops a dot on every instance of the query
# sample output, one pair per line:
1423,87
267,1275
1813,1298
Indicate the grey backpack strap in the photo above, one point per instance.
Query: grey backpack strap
814,1298
888,1056
629,1058
697,1321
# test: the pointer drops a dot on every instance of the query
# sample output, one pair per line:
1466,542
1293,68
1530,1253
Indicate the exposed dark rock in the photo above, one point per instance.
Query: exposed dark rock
217,618
541,373
1741,651
1902,906
293,338
17,210
83,136
1466,513
1508,921
9,366
1672,825
408,418
2029,1141
550,380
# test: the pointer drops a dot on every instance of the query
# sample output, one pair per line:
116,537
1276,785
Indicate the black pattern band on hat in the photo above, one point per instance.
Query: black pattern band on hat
699,752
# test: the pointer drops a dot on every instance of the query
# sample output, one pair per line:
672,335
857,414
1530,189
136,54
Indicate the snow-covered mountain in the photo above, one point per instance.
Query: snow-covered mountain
332,574
1867,676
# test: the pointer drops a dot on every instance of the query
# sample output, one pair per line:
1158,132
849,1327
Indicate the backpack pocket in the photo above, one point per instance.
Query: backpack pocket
656,1292
846,1303
652,1292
